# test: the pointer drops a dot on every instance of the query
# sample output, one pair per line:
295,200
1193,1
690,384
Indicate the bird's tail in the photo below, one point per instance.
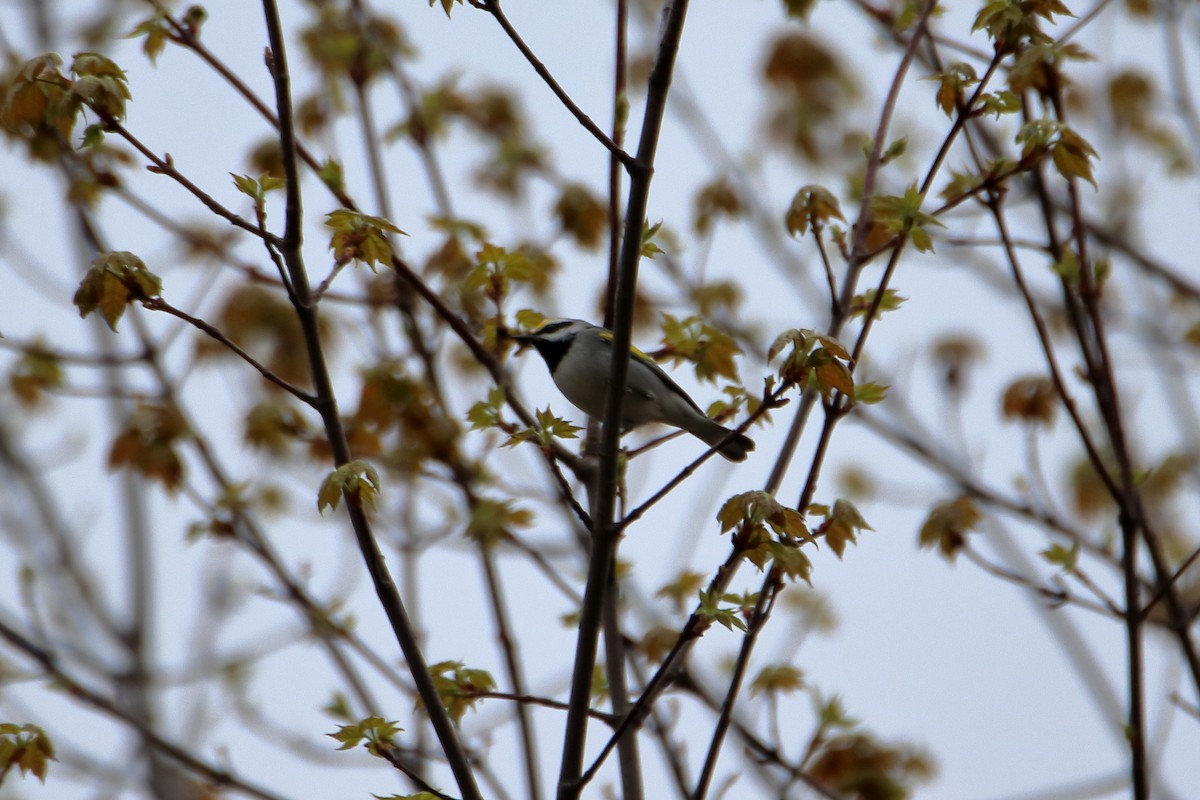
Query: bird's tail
733,446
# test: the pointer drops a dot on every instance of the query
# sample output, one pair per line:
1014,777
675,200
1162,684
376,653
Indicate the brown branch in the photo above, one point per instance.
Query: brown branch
767,595
493,8
158,304
605,533
165,165
326,404
100,703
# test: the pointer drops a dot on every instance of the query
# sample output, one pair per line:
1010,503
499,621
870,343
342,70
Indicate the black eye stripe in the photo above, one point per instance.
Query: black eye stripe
551,327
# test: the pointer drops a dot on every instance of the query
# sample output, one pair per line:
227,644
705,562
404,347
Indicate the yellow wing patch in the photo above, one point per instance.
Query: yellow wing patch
607,336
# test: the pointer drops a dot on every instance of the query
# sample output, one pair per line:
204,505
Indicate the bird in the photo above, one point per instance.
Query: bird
579,356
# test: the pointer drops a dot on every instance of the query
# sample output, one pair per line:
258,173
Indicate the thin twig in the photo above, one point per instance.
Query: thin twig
326,404
102,704
767,595
493,8
158,304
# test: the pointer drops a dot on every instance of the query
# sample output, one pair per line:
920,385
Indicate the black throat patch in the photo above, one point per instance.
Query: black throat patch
551,352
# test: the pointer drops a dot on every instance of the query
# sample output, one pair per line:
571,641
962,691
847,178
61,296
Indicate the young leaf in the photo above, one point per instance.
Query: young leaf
357,480
947,526
811,205
649,248
711,610
374,733
460,686
492,521
114,280
26,747
1066,558
777,679
360,237
842,526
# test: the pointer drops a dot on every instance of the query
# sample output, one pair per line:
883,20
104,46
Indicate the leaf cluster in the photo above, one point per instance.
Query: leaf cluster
811,206
1010,23
767,532
546,429
256,189
357,480
902,215
813,360
113,282
715,200
36,372
148,444
374,733
459,686
947,525
360,237
400,420
729,616
842,524
27,747
710,350
492,521
581,215
1071,154
348,42
1032,400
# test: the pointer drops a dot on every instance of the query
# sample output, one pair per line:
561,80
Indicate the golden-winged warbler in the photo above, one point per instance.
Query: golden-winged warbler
579,356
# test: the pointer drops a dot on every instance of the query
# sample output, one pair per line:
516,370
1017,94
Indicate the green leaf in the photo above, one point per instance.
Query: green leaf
947,526
861,303
331,174
649,248
1066,558
1000,103
711,351
870,393
356,480
758,510
360,237
486,413
459,686
789,559
27,747
93,136
902,214
546,429
338,706
684,586
830,374
374,733
246,185
114,280
493,521
842,525
951,83
100,83
832,714
894,150
1012,22
1072,156
711,610
777,679
811,205
446,5
156,36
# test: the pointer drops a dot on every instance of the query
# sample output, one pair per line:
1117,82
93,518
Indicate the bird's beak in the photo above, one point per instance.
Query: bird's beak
523,340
